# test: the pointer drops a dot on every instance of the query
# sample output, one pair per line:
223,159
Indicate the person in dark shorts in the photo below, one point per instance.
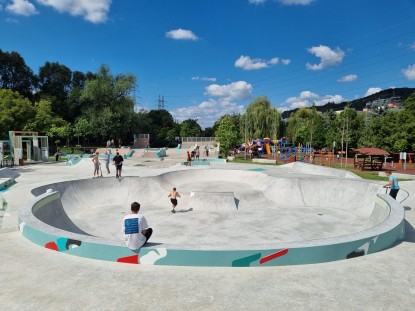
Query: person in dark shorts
118,160
392,184
173,199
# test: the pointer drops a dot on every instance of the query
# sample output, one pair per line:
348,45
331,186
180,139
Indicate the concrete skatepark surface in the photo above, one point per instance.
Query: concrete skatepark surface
378,281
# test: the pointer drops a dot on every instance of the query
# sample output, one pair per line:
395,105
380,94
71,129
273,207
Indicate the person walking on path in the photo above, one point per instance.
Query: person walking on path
107,160
96,162
118,160
135,228
173,199
392,184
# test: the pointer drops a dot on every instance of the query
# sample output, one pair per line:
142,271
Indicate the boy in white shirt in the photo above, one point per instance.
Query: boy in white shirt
135,228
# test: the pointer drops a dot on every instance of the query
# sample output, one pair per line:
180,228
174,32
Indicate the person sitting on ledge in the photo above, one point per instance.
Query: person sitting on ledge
135,228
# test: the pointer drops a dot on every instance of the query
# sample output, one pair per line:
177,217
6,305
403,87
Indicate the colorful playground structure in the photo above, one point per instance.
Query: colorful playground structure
279,149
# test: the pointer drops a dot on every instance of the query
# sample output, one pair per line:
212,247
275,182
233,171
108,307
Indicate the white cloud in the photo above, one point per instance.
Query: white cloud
207,112
285,61
204,79
21,7
348,78
256,1
248,63
373,90
412,46
230,92
94,11
328,57
409,72
296,2
1,7
181,34
12,20
307,99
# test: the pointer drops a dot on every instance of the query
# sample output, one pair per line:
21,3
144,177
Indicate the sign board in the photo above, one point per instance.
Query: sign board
402,155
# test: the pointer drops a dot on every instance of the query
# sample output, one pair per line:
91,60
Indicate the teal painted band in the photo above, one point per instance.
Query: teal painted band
373,240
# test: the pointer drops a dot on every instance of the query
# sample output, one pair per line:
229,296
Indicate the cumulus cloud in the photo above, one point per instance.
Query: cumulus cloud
373,90
348,78
328,57
204,79
181,34
308,98
207,112
296,2
94,11
285,61
248,63
21,7
409,72
230,92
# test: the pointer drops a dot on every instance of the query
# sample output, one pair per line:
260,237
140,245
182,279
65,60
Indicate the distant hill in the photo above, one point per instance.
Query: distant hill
360,103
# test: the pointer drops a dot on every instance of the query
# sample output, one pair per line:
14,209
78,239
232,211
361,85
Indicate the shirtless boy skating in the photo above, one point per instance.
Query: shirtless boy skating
173,199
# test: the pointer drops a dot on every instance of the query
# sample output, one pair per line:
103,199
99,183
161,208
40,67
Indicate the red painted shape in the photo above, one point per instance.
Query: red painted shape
52,246
129,259
273,256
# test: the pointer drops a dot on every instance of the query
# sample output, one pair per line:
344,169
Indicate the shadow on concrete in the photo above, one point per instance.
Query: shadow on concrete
409,232
185,210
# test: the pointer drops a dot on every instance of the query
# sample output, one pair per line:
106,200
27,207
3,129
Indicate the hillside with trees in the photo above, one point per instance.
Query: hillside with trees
85,108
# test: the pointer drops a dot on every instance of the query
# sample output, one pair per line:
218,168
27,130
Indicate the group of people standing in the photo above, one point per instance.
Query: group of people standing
117,160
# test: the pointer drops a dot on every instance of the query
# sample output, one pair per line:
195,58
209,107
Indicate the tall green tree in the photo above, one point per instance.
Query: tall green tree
190,128
109,106
226,134
16,112
261,119
55,84
16,75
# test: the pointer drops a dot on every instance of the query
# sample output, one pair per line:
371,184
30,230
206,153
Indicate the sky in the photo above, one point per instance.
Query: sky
208,58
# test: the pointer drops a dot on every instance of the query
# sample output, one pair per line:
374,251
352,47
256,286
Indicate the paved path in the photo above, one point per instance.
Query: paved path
32,278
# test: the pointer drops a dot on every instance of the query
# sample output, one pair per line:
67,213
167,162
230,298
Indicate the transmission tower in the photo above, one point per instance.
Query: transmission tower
160,103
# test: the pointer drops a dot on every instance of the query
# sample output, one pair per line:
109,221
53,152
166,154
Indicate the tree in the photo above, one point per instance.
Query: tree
305,126
261,119
82,128
109,106
190,128
16,75
15,112
226,134
161,122
55,84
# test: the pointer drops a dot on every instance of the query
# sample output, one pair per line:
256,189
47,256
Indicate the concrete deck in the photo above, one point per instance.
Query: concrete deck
32,278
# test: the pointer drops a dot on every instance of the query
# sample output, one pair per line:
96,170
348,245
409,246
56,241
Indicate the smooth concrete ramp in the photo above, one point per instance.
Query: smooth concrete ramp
236,212
216,201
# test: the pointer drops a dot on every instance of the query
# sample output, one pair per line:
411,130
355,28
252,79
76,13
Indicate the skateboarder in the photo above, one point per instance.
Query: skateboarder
135,228
392,184
96,162
173,199
118,160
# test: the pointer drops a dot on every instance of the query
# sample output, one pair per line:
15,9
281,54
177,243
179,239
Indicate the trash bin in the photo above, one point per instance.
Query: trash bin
21,162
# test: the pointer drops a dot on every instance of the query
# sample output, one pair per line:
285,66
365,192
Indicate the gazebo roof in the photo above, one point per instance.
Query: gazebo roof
371,151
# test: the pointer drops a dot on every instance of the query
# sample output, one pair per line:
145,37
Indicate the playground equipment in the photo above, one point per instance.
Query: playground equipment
28,146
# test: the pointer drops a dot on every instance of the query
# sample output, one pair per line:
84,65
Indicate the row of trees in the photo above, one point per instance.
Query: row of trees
70,106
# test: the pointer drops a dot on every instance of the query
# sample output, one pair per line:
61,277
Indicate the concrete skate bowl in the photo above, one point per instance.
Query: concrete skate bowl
224,218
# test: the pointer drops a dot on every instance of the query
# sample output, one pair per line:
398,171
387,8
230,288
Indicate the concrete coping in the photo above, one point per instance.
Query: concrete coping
379,237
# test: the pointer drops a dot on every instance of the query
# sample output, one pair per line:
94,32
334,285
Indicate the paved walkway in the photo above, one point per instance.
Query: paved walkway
32,278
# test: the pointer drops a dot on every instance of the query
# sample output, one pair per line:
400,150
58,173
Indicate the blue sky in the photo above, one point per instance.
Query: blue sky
211,57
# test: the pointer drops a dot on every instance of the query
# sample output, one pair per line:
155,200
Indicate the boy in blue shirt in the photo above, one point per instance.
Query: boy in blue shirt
393,184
